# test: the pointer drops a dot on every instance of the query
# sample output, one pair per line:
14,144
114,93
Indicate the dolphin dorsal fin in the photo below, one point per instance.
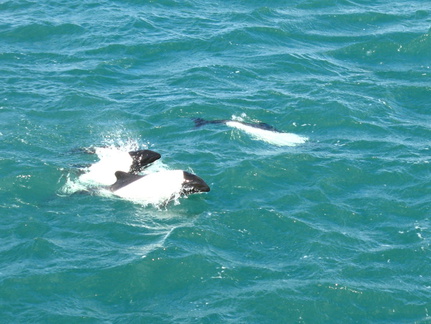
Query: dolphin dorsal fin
121,175
123,179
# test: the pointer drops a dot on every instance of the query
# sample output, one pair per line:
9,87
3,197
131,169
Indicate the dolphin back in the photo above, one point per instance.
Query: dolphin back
201,122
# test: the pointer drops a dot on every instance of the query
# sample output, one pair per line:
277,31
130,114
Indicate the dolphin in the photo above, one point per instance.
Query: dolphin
233,123
158,187
258,131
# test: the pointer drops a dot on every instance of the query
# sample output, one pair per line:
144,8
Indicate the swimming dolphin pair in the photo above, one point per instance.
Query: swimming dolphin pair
119,172
258,131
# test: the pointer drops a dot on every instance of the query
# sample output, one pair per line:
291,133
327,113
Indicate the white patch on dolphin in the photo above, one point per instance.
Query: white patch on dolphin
269,136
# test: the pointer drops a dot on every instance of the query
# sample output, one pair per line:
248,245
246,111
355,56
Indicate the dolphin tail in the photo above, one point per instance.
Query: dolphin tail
200,122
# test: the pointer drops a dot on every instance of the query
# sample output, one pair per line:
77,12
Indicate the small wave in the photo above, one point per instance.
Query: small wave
42,32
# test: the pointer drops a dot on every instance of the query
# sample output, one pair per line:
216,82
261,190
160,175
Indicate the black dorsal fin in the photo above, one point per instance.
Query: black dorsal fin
123,179
266,126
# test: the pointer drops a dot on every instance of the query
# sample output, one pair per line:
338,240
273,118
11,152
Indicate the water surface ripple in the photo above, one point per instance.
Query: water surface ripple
335,230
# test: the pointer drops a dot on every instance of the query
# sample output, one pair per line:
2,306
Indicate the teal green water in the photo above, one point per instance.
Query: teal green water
336,230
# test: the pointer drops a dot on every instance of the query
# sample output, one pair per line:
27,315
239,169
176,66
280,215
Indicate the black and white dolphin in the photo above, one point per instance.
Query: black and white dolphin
258,131
200,122
157,188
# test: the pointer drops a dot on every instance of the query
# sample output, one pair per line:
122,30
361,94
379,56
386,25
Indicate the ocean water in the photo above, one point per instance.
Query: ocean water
333,230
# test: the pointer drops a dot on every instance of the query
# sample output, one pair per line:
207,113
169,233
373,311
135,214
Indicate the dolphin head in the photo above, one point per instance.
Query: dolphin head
193,184
142,159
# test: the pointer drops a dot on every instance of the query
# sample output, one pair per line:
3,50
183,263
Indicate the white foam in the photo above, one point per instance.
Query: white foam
72,186
102,172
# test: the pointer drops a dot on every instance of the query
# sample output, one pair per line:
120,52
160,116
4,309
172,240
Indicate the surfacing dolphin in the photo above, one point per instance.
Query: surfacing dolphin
157,188
200,122
258,131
